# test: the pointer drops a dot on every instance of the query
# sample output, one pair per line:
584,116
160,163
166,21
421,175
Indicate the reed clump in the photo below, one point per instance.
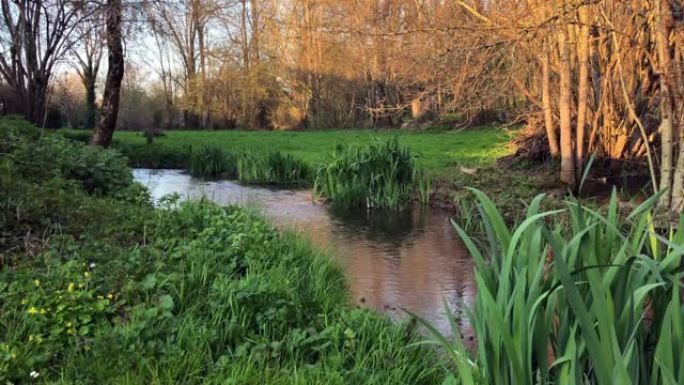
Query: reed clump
379,175
273,168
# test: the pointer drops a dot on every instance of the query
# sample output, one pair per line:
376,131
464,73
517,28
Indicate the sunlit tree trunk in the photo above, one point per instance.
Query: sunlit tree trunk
546,104
583,87
666,128
567,173
110,103
671,127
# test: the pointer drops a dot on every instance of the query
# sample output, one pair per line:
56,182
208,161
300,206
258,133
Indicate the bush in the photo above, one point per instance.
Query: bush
45,182
14,131
98,171
154,155
77,136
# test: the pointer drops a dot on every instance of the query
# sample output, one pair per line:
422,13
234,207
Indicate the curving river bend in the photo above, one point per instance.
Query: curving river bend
411,259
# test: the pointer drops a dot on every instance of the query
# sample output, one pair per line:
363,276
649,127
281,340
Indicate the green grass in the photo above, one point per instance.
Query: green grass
439,152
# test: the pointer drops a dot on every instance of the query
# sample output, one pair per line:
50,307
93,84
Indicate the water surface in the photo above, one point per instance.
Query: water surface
411,259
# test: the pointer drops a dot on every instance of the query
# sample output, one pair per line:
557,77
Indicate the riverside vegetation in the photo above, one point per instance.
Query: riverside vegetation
98,286
381,174
308,158
595,302
193,293
440,152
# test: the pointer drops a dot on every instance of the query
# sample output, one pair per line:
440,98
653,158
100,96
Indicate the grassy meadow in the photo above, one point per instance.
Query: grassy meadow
438,152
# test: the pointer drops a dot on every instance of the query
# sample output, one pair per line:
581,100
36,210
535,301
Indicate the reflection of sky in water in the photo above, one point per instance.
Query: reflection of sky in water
411,260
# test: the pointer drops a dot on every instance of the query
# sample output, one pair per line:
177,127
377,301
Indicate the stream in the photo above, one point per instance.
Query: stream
410,259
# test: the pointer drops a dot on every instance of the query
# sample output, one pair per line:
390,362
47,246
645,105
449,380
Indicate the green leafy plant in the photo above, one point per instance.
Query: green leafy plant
598,303
46,314
97,171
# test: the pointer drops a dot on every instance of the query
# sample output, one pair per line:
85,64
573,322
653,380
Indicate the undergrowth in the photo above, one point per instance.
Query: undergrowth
98,286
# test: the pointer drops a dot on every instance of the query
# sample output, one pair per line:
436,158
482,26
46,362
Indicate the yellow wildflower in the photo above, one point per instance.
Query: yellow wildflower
32,310
87,274
35,338
110,296
71,287
36,282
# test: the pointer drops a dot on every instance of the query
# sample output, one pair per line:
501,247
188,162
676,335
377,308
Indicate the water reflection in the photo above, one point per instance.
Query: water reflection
410,259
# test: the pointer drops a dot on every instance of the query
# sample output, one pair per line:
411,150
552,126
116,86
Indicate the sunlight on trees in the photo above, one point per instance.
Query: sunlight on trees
600,77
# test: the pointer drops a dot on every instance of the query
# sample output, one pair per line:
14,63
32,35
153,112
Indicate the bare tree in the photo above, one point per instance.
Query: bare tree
88,52
185,24
34,36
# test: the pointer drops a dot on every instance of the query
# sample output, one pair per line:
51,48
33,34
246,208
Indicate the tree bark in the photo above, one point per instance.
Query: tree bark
89,80
583,87
548,110
567,172
110,103
671,179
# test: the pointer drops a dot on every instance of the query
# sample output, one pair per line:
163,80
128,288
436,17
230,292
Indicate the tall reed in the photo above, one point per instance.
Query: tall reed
599,304
424,186
274,167
211,162
380,175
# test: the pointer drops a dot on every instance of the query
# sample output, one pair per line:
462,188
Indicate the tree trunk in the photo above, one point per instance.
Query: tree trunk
671,179
36,103
89,80
583,88
546,104
666,148
567,172
677,203
110,103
